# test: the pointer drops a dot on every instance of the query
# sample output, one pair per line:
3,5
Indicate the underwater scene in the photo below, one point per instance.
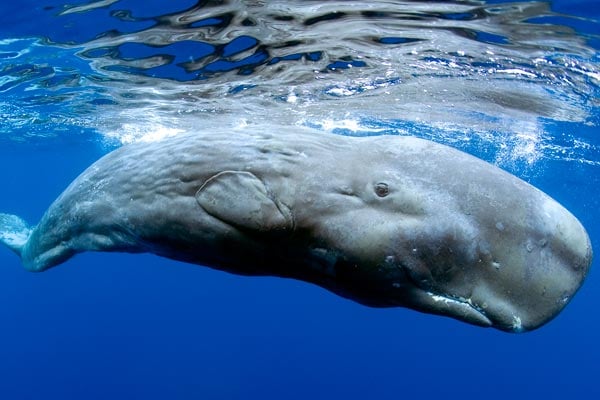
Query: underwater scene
355,236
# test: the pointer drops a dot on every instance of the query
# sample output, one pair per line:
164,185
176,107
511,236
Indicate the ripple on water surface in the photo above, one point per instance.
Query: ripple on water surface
462,72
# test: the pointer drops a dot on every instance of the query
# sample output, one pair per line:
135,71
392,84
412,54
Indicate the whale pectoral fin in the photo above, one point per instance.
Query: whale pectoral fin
240,199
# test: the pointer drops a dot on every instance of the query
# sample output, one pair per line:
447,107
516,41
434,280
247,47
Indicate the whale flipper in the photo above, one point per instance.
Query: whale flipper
241,199
14,232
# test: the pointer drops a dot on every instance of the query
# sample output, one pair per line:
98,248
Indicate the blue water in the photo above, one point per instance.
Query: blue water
516,84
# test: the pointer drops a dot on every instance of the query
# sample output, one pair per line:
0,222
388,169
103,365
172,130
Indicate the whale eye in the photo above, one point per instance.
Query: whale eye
382,189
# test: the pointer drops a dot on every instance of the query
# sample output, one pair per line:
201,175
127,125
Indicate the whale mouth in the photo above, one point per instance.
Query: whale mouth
458,308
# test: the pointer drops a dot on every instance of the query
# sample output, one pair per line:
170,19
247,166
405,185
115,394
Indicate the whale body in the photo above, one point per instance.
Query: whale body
385,221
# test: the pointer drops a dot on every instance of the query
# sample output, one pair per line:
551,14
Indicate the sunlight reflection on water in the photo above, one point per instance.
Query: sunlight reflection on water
465,73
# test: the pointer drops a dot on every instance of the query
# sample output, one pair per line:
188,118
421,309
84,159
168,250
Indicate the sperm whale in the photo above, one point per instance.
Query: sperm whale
385,221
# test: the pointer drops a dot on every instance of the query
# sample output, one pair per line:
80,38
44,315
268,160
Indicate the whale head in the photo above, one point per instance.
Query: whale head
512,271
439,231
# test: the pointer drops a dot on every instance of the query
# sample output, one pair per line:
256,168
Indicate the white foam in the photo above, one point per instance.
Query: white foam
131,133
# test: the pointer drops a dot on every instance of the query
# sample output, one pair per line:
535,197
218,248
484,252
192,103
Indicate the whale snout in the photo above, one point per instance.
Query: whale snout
512,267
540,274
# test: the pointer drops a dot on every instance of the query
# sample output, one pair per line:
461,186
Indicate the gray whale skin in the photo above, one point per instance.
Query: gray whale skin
384,221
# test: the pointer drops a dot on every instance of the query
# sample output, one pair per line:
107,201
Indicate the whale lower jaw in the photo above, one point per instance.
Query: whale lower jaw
465,310
458,308
462,309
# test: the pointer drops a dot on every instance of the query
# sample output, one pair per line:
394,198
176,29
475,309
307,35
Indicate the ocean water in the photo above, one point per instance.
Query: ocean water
514,83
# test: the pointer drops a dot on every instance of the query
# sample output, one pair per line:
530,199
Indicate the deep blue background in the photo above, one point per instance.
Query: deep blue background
140,327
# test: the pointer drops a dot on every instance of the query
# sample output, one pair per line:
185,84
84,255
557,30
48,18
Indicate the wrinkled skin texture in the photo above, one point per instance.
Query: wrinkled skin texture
385,221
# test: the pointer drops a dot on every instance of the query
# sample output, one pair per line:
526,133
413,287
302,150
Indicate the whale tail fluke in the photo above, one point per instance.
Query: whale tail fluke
14,232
